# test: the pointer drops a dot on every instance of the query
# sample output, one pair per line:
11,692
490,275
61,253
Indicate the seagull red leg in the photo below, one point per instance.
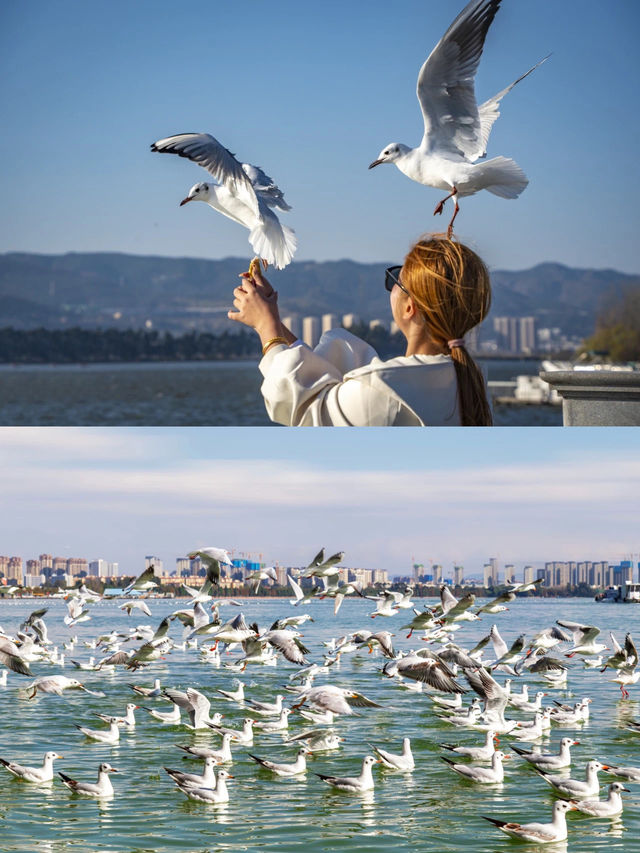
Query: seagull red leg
455,213
440,205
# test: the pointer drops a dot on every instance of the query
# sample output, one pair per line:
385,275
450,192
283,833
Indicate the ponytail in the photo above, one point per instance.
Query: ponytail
450,285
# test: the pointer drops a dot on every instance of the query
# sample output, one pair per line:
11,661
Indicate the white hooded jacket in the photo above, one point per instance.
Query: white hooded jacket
342,382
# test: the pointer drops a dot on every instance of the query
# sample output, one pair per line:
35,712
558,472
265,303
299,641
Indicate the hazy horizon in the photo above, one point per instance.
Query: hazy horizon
241,260
384,499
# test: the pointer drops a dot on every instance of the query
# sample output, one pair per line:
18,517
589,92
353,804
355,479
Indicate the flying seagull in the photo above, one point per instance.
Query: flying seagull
456,129
243,193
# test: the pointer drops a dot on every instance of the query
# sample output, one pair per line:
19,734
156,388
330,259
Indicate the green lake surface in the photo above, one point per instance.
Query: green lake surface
430,809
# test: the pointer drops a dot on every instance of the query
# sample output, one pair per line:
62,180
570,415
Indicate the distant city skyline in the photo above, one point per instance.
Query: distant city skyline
311,93
382,497
555,573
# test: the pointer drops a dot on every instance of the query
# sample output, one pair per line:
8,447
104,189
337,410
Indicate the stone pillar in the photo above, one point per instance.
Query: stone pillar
597,397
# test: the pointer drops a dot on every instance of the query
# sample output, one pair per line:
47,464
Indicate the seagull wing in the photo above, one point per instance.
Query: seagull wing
486,686
206,151
462,605
504,597
581,633
178,697
517,646
357,700
446,83
293,650
265,187
447,599
631,651
199,702
10,657
432,673
297,589
489,112
546,664
499,645
333,560
317,560
142,579
161,630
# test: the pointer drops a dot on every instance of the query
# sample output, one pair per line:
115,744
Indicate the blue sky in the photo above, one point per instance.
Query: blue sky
311,92
382,496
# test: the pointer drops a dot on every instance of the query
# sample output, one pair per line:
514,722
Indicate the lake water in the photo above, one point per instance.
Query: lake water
431,809
176,394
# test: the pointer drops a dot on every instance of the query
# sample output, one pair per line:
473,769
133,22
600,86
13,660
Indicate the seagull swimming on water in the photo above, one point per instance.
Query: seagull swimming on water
243,193
33,774
456,129
101,788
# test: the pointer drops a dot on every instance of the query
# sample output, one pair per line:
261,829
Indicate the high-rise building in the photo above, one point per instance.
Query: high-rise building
557,574
183,565
488,578
458,575
361,576
103,569
76,567
156,562
600,573
294,324
33,568
329,321
528,342
310,331
11,569
509,573
515,334
529,574
437,574
350,320
495,570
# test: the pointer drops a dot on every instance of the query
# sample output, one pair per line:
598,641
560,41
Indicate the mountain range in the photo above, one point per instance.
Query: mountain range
177,294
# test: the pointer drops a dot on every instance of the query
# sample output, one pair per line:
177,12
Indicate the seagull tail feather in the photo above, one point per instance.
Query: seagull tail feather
274,242
503,177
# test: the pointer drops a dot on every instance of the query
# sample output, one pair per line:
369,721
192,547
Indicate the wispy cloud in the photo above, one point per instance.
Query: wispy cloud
152,484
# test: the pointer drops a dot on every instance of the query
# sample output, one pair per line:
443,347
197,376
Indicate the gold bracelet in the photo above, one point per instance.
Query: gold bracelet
273,341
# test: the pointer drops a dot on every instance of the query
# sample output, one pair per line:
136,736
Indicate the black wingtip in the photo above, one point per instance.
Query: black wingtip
493,820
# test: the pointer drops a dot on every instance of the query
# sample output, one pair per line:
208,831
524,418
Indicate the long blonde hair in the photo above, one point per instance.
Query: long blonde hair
450,285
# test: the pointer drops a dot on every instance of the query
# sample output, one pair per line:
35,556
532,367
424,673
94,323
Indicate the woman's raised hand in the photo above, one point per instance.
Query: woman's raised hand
256,304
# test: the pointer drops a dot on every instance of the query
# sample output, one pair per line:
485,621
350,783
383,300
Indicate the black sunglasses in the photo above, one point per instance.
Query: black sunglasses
391,277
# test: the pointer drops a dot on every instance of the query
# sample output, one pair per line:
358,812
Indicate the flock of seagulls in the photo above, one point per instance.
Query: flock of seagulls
482,693
450,156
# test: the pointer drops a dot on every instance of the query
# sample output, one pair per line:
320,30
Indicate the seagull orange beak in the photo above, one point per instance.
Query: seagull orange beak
185,200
